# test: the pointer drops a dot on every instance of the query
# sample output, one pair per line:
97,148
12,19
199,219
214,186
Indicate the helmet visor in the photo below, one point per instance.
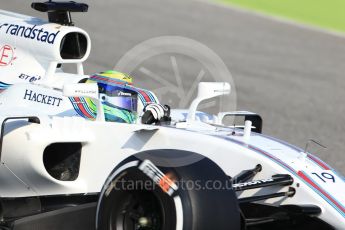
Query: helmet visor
119,97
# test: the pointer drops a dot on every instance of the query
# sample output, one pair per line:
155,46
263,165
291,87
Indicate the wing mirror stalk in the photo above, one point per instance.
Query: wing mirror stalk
207,90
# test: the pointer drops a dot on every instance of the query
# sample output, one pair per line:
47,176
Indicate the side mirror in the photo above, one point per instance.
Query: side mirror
248,116
85,90
207,90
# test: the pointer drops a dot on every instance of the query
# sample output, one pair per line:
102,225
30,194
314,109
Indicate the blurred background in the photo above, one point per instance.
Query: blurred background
286,57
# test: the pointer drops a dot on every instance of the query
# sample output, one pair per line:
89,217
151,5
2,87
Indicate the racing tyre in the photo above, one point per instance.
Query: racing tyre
153,190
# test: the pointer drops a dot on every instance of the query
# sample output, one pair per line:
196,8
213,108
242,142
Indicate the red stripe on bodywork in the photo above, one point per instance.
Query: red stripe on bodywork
271,157
310,182
319,162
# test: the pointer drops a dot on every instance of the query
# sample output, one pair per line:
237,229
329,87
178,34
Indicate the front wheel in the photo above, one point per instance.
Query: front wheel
140,194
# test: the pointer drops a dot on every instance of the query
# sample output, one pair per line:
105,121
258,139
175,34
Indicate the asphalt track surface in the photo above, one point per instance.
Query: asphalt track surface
294,77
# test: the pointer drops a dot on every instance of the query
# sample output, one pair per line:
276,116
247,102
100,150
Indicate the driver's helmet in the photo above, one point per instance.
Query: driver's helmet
119,100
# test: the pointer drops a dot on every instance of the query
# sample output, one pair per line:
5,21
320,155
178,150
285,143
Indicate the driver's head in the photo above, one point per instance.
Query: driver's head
119,101
115,76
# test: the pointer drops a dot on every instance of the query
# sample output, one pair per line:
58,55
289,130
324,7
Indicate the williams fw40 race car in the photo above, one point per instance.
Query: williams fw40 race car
96,152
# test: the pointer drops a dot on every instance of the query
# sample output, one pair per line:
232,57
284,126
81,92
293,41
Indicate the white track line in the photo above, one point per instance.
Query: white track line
274,18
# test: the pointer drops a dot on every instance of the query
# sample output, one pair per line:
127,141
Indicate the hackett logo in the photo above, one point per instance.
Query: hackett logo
41,98
34,33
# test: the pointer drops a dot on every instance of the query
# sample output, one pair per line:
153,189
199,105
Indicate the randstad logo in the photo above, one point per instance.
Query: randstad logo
33,32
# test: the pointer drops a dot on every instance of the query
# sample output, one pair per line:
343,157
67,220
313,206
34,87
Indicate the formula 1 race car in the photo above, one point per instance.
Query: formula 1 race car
96,152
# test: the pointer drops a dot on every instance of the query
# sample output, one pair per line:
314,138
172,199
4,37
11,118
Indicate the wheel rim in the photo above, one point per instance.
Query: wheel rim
139,210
